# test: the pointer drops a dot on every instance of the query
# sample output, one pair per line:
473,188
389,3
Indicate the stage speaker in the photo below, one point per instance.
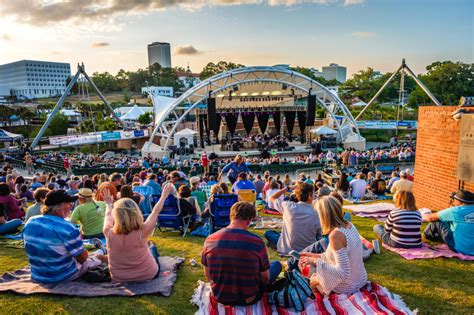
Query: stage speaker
311,110
211,113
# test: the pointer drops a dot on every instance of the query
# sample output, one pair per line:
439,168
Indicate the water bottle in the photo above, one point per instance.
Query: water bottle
347,216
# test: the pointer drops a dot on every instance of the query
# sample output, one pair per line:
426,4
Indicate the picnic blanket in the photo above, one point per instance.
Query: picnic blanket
375,210
268,223
371,299
20,282
428,252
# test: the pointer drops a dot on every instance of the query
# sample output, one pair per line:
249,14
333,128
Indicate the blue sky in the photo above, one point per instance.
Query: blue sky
354,33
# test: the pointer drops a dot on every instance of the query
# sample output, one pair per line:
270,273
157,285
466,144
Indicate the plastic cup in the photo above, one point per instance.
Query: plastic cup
305,271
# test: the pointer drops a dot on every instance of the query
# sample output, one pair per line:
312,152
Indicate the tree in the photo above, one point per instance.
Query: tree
447,80
212,69
105,82
145,118
59,124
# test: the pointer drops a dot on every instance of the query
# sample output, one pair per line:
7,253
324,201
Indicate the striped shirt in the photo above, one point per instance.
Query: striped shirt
51,244
404,227
342,271
234,259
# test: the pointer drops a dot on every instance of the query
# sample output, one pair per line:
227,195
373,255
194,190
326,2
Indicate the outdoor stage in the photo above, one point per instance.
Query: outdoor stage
216,148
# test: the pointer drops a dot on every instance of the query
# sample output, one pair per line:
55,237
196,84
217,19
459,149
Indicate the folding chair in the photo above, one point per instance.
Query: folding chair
220,210
248,195
170,216
145,205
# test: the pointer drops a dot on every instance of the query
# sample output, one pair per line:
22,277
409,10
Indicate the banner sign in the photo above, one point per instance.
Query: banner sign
377,124
95,137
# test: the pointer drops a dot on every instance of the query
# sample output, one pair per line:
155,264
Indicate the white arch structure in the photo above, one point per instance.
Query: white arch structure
217,84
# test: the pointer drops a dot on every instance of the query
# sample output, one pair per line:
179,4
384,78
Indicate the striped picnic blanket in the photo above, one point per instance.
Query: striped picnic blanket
371,299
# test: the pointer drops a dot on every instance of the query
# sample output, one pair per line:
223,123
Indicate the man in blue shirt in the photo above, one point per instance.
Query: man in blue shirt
454,226
234,168
53,245
242,183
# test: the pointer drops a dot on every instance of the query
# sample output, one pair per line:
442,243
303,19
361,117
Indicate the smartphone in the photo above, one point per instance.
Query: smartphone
295,254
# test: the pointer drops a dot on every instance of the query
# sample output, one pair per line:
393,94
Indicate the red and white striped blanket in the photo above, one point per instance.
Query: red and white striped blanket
371,299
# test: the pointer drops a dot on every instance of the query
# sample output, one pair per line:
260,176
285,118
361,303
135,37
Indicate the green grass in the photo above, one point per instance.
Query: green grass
435,286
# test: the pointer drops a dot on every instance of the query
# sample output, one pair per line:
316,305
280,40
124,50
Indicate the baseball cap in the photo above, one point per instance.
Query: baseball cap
56,197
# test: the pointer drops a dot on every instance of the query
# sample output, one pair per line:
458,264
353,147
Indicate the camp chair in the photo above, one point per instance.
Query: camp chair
170,216
220,210
145,205
248,195
201,198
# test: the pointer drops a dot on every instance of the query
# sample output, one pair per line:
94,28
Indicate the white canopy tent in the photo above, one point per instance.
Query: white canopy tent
323,131
359,103
185,136
133,114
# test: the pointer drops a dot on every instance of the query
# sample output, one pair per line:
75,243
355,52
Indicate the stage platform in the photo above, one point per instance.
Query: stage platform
299,149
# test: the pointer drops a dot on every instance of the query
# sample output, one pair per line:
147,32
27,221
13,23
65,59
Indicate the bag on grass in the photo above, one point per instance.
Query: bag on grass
294,292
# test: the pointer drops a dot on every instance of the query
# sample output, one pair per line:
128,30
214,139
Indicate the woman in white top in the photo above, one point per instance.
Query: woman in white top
340,269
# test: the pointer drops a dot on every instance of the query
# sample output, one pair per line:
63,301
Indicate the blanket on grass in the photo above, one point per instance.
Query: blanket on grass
268,223
378,211
20,282
428,252
371,299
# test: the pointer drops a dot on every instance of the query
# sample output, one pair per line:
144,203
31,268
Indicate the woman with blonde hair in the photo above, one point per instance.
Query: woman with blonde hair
340,268
402,228
131,256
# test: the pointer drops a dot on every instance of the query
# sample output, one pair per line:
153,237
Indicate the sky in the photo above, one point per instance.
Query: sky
108,35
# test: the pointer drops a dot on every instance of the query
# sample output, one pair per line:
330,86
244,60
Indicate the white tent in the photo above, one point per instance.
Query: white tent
360,103
70,113
161,104
324,131
185,136
133,114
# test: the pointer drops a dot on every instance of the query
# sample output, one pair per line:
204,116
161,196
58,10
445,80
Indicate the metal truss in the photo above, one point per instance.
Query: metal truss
167,124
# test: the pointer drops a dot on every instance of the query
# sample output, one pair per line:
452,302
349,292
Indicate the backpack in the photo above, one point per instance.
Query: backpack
294,292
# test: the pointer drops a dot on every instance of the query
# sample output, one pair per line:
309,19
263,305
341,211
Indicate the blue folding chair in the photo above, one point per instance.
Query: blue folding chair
171,218
220,210
145,205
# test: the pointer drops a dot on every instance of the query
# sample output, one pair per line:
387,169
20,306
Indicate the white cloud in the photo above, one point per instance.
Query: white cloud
41,12
5,37
100,44
364,34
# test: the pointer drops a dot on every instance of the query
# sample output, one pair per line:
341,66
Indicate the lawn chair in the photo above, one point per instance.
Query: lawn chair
171,218
248,195
146,204
220,210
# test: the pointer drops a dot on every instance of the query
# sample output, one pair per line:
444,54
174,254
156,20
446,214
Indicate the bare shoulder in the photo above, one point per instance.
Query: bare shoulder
337,240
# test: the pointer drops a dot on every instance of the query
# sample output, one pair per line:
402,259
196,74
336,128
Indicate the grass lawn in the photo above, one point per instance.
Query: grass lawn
435,286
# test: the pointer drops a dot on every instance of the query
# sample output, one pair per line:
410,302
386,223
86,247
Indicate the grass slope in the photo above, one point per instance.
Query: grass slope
436,286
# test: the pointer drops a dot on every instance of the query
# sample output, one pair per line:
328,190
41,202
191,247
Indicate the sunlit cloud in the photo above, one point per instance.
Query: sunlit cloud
100,44
186,50
5,37
41,12
364,34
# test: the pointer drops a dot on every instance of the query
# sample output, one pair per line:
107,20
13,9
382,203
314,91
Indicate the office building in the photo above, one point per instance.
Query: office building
29,79
335,72
159,52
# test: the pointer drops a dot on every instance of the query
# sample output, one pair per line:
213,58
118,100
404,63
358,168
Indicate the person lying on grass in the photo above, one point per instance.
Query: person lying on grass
131,256
340,268
402,228
54,246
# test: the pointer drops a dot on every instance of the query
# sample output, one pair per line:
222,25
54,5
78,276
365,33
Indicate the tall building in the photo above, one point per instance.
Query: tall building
335,71
27,79
159,52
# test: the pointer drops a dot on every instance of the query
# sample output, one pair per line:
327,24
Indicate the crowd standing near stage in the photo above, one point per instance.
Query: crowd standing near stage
63,211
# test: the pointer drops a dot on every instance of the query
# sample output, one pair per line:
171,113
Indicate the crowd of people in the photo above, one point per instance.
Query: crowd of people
65,211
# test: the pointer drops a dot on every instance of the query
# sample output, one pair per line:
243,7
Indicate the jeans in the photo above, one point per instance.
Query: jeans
440,232
10,226
385,237
275,269
100,236
154,252
272,238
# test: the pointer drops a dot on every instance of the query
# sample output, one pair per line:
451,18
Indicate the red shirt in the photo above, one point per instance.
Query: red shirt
234,259
204,160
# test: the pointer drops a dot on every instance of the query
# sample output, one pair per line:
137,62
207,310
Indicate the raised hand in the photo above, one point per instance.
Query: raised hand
107,197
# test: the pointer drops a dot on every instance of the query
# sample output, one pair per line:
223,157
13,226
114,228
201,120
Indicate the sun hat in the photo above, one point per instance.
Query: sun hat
464,196
56,197
85,192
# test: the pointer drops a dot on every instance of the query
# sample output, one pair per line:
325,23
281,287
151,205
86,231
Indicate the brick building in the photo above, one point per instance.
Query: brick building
436,160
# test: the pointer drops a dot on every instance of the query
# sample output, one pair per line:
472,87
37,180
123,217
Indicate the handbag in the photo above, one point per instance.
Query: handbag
294,292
